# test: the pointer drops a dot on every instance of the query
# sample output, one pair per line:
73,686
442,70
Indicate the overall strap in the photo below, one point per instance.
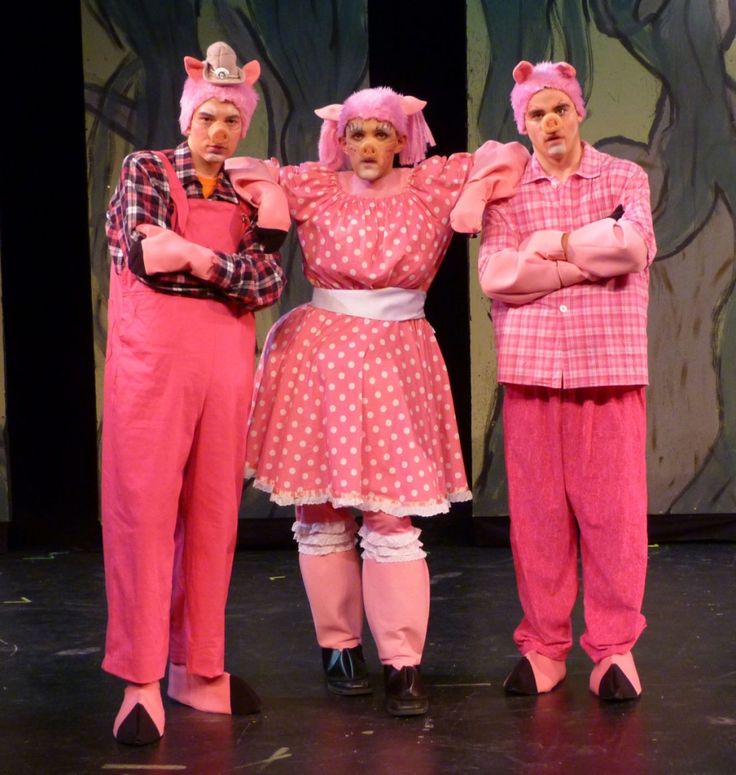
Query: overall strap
178,194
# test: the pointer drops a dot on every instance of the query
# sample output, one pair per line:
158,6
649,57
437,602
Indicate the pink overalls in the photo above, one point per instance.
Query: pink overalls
178,383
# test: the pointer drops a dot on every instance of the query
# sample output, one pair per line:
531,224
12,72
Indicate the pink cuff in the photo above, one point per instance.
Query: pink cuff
508,159
496,173
569,273
534,270
547,243
607,248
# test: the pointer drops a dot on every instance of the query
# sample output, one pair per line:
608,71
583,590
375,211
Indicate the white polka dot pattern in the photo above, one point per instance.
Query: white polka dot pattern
350,410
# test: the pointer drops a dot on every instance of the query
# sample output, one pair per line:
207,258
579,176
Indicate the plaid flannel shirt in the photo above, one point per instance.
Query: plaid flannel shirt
250,276
591,333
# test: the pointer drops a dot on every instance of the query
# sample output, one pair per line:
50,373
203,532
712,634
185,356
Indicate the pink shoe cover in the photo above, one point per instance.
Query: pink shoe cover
141,717
615,678
224,694
546,674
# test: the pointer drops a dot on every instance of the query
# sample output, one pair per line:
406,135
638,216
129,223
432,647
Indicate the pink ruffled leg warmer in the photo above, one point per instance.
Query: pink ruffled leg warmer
330,571
333,586
397,608
395,588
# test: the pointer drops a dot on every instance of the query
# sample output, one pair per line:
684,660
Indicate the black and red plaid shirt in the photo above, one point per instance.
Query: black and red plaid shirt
250,276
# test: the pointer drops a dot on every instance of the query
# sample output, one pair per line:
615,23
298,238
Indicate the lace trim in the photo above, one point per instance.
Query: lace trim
396,547
324,537
390,540
388,505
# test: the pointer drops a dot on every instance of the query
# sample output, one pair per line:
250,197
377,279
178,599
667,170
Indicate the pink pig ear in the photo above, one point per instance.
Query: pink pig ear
252,71
522,71
411,105
329,112
194,68
566,69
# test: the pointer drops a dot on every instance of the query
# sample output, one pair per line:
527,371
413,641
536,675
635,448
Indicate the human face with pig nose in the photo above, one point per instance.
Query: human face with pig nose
553,126
213,136
371,146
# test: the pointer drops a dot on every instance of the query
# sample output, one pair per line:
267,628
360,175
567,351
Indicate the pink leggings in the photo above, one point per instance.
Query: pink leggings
576,468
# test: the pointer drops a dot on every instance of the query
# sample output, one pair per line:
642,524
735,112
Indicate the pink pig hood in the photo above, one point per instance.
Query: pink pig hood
404,113
219,77
530,79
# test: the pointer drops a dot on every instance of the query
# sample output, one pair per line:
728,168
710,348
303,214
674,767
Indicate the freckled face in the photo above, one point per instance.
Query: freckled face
553,126
371,146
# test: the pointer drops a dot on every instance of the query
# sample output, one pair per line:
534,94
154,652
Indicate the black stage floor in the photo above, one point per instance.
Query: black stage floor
57,707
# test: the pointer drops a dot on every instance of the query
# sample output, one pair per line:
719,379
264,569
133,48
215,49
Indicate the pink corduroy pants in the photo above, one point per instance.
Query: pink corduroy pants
576,468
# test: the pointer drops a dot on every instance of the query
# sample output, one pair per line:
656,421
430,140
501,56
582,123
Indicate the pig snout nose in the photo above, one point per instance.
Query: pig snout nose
218,133
551,122
368,148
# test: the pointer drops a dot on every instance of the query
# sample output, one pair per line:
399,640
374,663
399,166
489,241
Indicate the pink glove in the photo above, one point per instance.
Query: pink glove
256,182
534,270
166,251
545,243
496,173
607,248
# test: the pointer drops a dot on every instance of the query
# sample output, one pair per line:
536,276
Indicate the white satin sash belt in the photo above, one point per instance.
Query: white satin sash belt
378,304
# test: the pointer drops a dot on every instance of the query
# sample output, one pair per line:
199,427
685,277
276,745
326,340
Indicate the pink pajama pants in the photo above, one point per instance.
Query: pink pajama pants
576,468
178,382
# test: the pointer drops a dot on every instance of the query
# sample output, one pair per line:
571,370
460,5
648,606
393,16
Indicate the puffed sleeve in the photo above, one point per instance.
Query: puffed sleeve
308,186
438,181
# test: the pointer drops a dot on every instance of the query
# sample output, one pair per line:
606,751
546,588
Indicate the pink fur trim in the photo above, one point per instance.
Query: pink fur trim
530,79
404,113
197,90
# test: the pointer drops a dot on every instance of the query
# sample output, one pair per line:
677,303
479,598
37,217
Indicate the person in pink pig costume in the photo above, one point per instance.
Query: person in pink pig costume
191,261
353,409
565,261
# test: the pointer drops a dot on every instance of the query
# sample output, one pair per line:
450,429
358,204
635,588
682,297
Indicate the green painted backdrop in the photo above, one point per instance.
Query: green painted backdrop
659,83
659,79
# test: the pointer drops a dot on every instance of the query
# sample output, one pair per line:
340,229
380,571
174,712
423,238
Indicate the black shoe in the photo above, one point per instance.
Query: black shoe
345,671
405,692
243,700
616,687
138,728
521,679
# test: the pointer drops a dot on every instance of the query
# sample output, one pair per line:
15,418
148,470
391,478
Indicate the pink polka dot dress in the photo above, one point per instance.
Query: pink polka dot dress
351,410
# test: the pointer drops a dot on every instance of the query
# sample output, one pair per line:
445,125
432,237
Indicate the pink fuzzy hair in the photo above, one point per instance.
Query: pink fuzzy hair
197,90
530,79
404,113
